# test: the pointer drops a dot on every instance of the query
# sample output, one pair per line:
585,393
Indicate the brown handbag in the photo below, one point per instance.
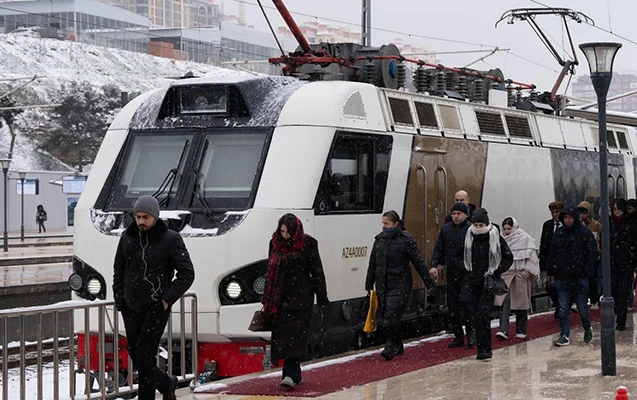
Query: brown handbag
260,322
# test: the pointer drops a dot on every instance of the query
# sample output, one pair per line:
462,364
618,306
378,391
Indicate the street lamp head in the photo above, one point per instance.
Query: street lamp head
5,163
600,56
23,175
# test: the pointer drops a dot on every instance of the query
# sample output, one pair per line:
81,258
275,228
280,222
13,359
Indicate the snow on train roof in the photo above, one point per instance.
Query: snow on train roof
265,97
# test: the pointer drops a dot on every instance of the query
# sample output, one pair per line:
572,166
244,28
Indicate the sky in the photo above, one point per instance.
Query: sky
470,21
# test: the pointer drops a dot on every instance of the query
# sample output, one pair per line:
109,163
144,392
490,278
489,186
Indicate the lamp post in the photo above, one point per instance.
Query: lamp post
5,162
23,175
600,58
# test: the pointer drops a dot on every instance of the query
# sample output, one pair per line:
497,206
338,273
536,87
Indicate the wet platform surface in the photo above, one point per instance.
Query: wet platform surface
534,369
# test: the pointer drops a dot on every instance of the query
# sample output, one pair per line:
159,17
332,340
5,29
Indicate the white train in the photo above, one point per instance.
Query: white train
227,157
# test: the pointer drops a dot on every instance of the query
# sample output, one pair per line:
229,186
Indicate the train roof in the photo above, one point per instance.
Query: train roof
272,101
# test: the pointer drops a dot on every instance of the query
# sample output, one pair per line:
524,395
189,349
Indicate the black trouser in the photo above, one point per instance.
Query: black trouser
394,303
621,284
592,289
292,368
143,332
41,226
482,302
459,300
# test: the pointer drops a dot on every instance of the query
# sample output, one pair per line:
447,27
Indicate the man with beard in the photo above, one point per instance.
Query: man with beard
147,257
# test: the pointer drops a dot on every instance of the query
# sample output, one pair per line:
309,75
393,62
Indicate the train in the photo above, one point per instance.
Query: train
226,157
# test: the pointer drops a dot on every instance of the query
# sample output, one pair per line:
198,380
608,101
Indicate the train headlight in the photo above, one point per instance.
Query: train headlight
76,281
233,290
259,285
94,286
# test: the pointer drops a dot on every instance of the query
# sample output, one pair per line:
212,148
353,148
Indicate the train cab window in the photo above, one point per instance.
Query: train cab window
228,170
355,177
154,165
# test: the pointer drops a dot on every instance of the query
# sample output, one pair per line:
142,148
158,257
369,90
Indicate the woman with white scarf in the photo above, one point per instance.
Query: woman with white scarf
485,253
519,279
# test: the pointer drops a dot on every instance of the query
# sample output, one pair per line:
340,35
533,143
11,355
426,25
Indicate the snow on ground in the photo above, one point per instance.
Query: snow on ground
63,61
47,382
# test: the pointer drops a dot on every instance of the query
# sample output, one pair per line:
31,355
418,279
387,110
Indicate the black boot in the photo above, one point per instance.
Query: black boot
457,342
471,340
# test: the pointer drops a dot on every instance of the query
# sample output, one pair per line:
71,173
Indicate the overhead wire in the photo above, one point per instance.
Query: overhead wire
376,29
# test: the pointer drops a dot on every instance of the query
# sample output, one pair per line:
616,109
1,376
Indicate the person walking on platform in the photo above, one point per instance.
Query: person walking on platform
485,253
519,279
462,197
40,218
548,230
632,215
147,257
572,258
622,259
594,286
449,251
389,271
295,275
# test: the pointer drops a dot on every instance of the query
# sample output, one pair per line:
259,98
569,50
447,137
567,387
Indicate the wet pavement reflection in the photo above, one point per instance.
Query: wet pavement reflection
531,370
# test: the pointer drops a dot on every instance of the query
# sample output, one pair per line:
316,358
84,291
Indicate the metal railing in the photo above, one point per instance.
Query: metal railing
105,309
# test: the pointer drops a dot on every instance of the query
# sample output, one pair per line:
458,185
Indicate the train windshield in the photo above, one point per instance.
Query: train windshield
153,166
202,171
225,176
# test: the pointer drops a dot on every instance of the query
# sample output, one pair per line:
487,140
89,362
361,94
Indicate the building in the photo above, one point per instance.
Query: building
316,32
195,44
417,51
244,43
43,185
86,21
621,83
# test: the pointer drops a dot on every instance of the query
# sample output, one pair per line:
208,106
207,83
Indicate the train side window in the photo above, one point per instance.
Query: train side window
355,177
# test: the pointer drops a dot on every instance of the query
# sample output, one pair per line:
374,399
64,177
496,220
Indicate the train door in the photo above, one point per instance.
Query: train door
439,168
426,206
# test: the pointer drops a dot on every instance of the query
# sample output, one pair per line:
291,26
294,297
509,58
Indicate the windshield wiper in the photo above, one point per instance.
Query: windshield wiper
197,187
170,178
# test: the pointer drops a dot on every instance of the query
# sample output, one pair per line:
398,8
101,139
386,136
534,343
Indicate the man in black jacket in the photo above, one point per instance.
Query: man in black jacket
572,258
147,257
449,251
548,230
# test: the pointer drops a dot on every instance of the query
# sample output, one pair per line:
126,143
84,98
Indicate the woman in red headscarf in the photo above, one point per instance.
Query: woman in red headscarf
295,275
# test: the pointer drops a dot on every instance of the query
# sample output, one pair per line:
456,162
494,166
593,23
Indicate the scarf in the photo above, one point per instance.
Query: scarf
495,255
274,283
522,246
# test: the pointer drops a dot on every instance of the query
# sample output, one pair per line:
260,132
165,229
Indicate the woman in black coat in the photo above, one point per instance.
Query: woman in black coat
394,248
485,253
295,275
622,245
40,217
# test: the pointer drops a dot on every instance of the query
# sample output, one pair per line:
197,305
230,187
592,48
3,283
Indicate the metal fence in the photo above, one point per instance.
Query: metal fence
106,316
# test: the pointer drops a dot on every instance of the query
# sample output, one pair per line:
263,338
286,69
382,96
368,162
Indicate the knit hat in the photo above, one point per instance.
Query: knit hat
462,207
480,215
632,203
147,204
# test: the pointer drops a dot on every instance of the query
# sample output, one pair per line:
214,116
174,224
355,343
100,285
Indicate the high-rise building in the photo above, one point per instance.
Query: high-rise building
621,83
316,32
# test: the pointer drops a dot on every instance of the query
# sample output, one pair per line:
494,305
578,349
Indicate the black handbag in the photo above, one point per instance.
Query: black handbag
260,322
495,285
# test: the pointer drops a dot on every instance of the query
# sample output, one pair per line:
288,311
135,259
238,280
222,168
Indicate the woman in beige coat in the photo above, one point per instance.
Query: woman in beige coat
519,278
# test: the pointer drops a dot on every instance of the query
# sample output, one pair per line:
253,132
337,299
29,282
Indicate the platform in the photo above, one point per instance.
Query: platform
526,369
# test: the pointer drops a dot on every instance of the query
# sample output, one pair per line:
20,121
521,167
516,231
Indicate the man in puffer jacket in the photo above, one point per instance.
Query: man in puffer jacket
147,257
572,259
449,251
